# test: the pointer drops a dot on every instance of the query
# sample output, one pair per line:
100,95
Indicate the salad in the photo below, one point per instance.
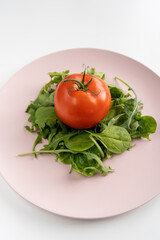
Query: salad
86,120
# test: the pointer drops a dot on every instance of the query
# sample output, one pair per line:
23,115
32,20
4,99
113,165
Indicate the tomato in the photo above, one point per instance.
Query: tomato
82,101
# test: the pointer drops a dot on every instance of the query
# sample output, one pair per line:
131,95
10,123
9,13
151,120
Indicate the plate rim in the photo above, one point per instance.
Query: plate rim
72,49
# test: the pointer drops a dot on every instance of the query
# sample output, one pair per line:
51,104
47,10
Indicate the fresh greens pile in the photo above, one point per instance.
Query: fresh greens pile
85,150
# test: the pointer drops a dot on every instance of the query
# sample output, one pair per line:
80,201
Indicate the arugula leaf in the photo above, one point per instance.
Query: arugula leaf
30,129
134,103
97,74
56,78
60,137
37,141
52,134
88,164
31,110
111,114
45,116
43,99
64,128
58,74
134,125
115,110
115,119
81,165
46,99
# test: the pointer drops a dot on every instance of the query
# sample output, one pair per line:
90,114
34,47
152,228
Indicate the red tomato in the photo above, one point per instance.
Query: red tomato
82,107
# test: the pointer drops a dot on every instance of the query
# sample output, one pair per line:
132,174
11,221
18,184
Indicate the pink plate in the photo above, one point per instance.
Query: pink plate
47,183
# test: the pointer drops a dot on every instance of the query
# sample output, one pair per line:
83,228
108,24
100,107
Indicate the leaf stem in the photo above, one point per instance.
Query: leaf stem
47,151
136,102
126,85
97,145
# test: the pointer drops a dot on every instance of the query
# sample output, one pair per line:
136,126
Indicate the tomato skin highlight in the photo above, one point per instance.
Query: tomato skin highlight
82,109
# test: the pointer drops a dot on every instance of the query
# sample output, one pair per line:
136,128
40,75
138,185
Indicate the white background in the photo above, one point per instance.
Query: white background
30,29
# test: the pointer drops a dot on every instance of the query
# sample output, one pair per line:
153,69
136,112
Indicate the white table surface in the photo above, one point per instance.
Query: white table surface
30,29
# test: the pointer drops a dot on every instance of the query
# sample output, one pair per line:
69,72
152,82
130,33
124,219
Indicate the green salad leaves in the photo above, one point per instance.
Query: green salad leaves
85,150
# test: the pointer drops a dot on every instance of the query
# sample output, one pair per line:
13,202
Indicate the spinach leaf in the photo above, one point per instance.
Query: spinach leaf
116,139
115,91
66,158
145,126
79,143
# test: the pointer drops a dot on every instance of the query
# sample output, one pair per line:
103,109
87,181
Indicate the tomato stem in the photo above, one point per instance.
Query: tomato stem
89,82
92,91
71,89
81,85
84,73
